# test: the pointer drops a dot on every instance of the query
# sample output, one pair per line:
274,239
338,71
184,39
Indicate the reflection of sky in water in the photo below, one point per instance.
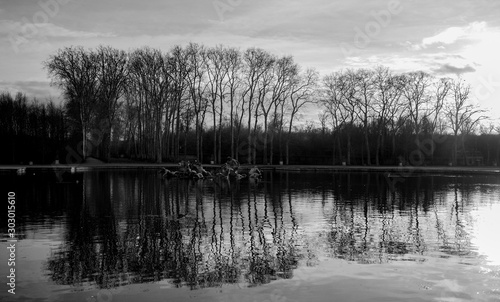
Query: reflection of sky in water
487,232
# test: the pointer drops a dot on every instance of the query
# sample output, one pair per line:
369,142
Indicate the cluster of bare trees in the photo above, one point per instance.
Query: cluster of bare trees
210,102
29,125
385,104
93,83
162,96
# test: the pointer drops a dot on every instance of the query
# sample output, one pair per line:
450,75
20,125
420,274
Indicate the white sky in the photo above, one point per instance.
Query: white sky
442,37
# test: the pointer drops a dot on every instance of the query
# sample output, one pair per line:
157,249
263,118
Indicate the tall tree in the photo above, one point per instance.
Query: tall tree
263,97
364,83
417,97
112,77
257,62
74,70
331,100
217,71
302,91
341,93
150,69
283,71
178,65
387,93
461,115
197,90
441,89
233,60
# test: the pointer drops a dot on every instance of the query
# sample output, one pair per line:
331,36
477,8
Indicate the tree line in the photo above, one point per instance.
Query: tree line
385,105
31,130
211,102
158,98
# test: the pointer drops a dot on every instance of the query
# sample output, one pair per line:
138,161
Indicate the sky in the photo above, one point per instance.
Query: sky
446,38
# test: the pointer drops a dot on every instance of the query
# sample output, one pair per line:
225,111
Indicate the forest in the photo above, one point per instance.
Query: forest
207,103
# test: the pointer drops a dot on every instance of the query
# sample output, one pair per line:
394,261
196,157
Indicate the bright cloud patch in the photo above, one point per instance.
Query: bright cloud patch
453,34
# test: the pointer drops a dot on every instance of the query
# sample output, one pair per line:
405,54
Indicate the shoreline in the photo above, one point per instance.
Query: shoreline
400,171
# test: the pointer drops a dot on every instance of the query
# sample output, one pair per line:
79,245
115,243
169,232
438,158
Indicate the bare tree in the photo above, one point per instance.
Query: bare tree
178,67
273,88
397,114
416,95
341,98
74,70
461,115
332,101
282,70
197,90
363,102
233,62
441,92
218,84
387,94
257,62
302,91
150,69
112,76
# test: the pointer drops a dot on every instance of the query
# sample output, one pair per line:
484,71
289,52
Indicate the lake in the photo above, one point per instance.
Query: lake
130,235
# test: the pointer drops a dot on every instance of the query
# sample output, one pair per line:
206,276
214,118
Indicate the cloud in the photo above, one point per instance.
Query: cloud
21,37
45,30
454,34
51,30
36,89
450,69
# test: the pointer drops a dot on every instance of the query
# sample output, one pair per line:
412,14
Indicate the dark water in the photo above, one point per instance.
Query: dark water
132,236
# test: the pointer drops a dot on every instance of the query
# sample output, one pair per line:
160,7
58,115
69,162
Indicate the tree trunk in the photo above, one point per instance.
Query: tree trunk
254,143
84,142
197,135
214,154
219,155
178,129
367,142
377,151
349,148
340,148
232,128
159,138
333,147
455,150
265,159
249,140
288,138
287,154
271,146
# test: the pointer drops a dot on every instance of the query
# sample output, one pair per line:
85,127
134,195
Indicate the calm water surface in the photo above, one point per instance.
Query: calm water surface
132,236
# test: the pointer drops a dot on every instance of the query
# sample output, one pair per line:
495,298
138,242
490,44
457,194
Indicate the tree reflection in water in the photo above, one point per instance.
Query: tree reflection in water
134,227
